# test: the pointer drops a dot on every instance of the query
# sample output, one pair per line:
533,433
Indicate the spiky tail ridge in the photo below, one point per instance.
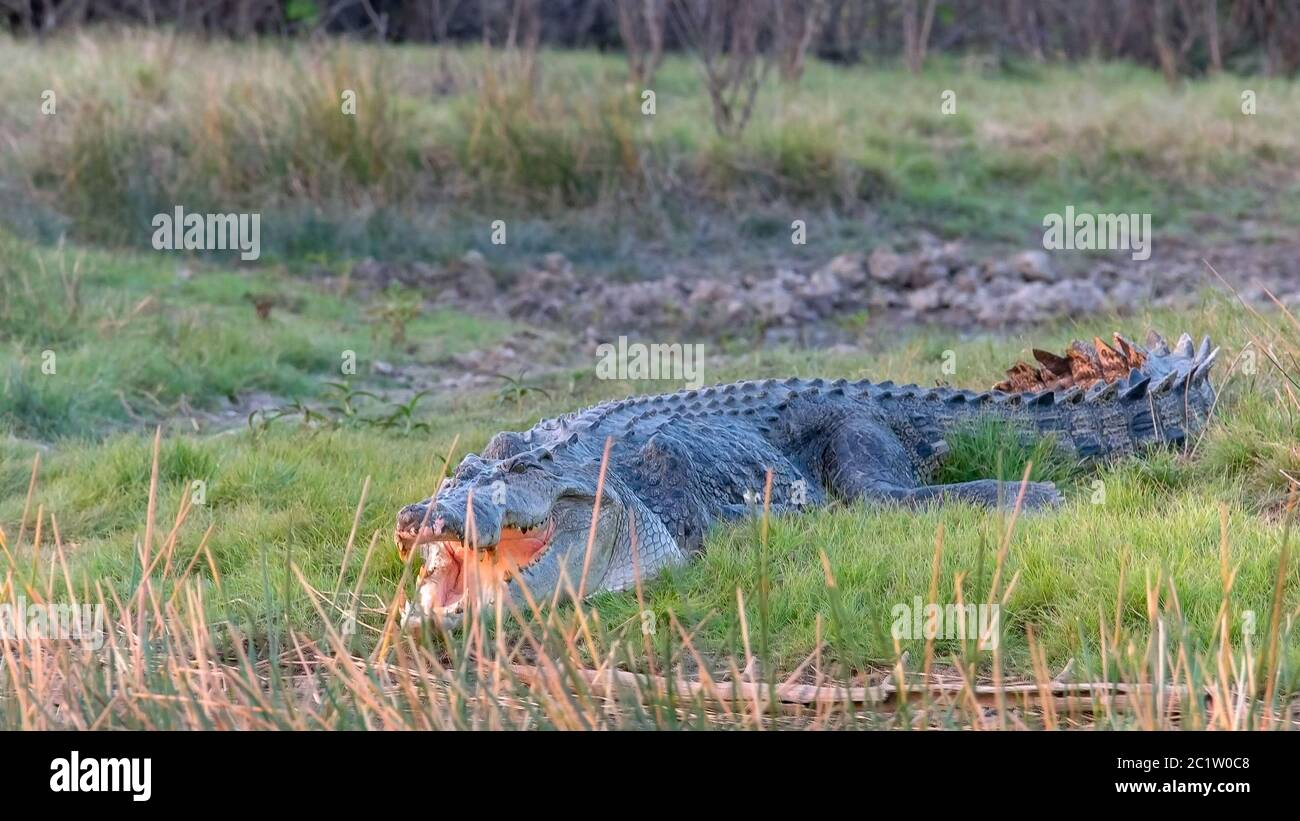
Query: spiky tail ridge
1097,403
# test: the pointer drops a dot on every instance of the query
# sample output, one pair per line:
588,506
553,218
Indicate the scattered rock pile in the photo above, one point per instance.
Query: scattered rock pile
465,283
935,283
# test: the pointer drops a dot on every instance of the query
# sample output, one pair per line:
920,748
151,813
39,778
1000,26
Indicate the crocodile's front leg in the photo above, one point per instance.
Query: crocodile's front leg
865,460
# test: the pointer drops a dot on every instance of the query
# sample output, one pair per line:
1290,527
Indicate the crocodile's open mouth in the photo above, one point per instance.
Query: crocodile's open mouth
451,568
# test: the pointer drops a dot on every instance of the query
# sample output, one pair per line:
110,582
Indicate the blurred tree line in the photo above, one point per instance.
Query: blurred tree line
1180,37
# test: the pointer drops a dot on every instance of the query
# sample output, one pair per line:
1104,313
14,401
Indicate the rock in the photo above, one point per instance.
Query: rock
967,280
781,336
1105,274
557,263
717,304
550,294
1125,294
886,298
1076,297
711,290
1034,266
1036,301
989,311
924,239
929,298
821,284
949,255
996,269
1254,293
773,303
952,255
960,314
884,265
475,285
821,294
847,268
928,274
1001,287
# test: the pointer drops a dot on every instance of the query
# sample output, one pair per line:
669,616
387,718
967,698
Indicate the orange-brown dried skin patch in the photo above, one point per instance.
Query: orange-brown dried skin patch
1082,366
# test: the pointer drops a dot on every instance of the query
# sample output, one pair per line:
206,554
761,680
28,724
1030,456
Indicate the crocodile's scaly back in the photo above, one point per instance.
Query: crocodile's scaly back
1165,401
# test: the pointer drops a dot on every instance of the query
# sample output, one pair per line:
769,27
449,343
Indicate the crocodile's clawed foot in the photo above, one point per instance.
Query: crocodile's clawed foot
988,493
1038,496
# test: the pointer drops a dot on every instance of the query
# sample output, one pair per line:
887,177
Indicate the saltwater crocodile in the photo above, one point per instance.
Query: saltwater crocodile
518,517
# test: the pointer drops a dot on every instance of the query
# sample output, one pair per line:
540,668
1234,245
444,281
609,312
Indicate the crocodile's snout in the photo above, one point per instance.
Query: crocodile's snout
410,520
506,530
412,517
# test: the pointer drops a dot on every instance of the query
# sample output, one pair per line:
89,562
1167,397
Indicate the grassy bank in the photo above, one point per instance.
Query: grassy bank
246,566
1169,567
284,490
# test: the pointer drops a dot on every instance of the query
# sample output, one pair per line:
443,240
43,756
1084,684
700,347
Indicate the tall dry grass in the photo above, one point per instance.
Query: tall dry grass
166,664
148,119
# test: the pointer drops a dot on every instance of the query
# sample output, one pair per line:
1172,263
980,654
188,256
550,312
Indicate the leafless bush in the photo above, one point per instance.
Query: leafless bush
844,34
432,18
641,26
798,24
1179,37
515,25
1175,28
916,33
1276,25
732,41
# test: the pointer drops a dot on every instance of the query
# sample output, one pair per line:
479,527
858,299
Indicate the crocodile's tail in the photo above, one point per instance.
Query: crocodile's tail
1102,400
1096,402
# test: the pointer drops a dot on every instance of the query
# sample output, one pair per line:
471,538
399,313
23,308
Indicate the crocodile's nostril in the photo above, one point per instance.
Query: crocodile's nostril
410,516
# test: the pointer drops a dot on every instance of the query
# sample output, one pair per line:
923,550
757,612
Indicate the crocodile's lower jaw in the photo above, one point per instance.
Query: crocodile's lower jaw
450,572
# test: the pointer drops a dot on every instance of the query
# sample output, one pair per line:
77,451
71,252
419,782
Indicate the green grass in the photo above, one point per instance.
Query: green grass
96,341
287,492
989,449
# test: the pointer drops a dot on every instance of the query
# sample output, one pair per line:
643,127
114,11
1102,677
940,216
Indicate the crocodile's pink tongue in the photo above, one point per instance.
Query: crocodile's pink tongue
444,582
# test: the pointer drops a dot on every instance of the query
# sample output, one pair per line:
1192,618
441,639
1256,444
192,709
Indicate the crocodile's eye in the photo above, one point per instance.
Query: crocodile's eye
518,467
